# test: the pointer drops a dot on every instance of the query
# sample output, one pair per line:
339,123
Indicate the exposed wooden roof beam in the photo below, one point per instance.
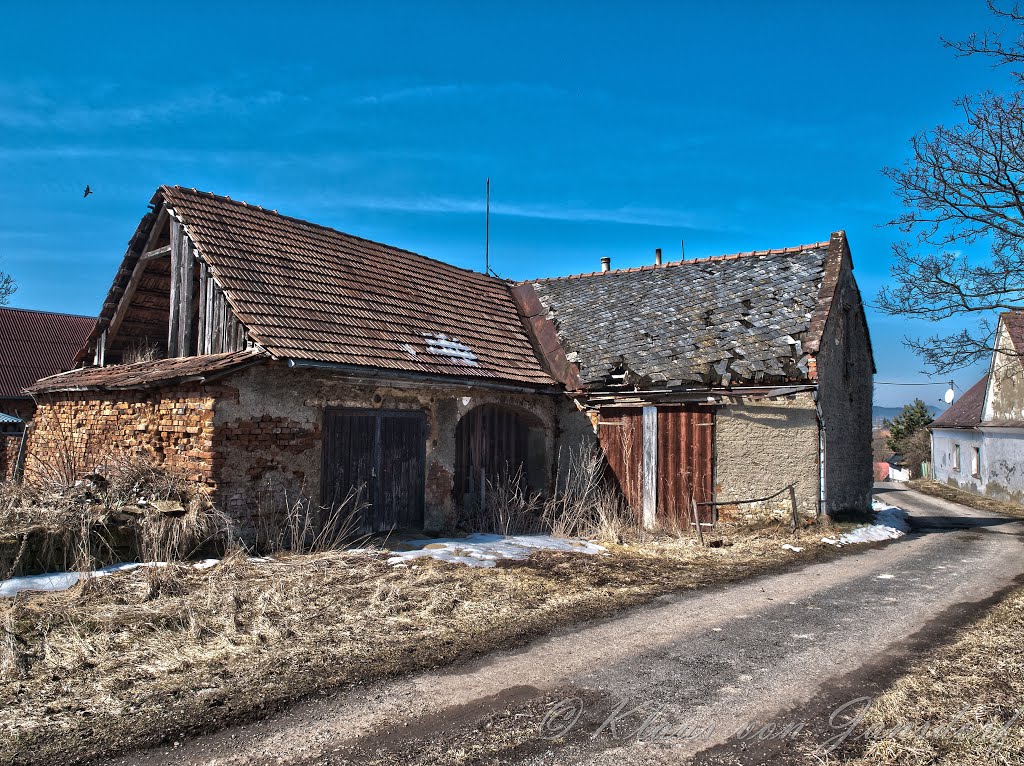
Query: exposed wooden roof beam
158,253
133,281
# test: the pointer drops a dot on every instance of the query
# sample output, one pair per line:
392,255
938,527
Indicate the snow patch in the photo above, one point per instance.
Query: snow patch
57,581
483,550
793,548
890,523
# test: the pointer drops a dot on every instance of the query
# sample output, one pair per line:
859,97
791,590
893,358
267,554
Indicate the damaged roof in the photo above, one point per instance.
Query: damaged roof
739,319
309,292
183,369
37,343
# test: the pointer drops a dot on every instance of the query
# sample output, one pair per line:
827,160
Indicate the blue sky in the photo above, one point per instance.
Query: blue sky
606,128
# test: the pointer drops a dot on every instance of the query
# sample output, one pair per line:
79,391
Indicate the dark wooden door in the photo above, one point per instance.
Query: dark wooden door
378,457
491,444
685,446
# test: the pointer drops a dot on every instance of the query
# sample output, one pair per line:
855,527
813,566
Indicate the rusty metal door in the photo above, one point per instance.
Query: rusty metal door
685,447
378,457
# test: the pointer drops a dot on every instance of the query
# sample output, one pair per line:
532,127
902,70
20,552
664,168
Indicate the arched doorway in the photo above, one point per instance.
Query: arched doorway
494,444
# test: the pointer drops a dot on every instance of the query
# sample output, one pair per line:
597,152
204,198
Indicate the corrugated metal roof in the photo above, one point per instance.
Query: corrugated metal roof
144,374
309,292
34,344
745,318
6,419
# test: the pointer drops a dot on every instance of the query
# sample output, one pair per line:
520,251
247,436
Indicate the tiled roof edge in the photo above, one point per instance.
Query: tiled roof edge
686,261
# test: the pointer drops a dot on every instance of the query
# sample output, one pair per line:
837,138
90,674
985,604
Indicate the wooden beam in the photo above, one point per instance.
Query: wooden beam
650,466
178,254
133,283
160,252
203,286
185,296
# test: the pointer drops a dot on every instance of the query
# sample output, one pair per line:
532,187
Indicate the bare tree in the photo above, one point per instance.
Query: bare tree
7,288
963,188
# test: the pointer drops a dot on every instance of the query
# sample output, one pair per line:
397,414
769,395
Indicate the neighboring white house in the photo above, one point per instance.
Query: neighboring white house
978,443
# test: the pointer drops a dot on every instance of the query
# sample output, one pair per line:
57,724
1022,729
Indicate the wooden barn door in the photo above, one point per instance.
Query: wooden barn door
685,445
492,445
620,435
378,454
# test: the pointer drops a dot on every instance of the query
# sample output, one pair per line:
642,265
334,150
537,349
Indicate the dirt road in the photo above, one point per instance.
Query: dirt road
690,675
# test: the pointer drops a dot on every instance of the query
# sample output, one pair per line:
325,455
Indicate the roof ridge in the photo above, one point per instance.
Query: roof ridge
48,313
684,261
313,224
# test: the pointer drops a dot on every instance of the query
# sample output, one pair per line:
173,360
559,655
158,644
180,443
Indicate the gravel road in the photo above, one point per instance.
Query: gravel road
689,676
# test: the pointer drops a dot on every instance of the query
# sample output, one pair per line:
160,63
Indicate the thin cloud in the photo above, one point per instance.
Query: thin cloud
626,214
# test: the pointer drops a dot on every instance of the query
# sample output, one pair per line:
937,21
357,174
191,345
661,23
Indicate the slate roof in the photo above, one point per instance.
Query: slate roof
34,344
965,412
144,374
746,318
309,292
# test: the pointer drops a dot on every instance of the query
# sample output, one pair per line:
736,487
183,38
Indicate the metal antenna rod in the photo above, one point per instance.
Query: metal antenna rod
487,230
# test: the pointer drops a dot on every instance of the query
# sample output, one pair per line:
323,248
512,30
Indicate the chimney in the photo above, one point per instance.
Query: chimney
657,256
606,264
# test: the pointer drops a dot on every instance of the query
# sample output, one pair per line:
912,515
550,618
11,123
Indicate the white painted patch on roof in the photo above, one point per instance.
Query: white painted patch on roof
483,550
440,344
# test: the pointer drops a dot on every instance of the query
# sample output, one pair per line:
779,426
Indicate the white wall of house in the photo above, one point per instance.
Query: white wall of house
991,460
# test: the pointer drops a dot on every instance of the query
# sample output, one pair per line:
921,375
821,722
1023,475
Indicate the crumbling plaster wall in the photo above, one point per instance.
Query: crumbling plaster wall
763,446
1004,399
845,392
269,432
1001,467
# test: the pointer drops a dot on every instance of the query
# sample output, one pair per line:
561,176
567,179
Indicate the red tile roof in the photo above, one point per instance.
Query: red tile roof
309,292
1013,321
144,374
966,411
35,344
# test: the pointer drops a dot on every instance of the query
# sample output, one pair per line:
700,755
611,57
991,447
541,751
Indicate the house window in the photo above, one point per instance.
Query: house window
956,457
976,462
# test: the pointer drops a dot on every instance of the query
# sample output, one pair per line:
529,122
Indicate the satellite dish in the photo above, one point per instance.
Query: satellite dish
949,396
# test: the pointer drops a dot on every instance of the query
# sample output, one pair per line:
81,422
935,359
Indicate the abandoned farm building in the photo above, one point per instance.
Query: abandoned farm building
33,345
267,358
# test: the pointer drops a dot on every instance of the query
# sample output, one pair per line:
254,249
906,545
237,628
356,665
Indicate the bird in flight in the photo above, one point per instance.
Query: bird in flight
88,191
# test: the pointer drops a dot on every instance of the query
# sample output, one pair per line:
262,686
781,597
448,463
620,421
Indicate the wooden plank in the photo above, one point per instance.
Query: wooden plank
186,293
201,340
621,441
177,255
99,359
650,466
215,341
160,252
207,318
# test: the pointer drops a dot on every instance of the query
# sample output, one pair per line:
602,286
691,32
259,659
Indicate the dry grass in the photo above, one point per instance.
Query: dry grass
106,666
954,709
971,500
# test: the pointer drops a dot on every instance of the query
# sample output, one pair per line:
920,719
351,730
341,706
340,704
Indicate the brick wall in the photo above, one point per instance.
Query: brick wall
761,447
74,433
10,443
